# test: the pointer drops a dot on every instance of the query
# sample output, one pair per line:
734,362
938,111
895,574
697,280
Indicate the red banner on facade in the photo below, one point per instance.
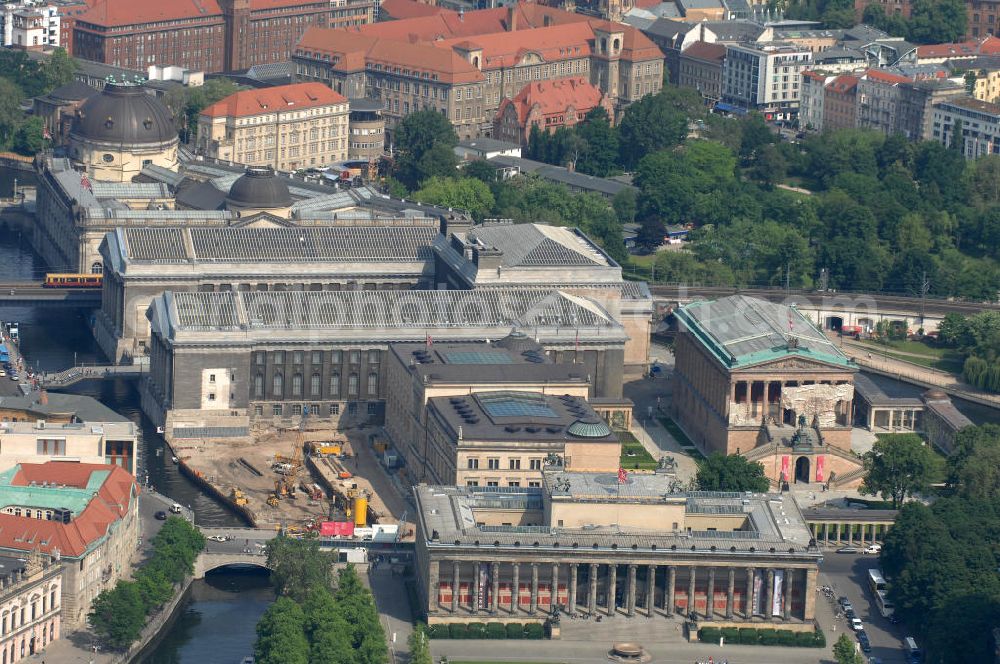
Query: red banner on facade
336,529
785,464
820,467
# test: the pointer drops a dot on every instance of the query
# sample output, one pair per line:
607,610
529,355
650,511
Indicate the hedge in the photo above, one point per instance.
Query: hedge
494,630
765,637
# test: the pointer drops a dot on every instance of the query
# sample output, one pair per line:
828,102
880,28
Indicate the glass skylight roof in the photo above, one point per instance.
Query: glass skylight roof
515,404
477,357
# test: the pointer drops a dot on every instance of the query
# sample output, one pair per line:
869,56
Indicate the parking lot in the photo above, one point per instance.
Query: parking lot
847,573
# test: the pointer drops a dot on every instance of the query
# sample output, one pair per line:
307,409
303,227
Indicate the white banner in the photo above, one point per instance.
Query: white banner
758,584
777,596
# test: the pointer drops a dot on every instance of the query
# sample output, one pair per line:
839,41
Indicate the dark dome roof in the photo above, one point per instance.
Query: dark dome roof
259,188
124,114
518,342
73,91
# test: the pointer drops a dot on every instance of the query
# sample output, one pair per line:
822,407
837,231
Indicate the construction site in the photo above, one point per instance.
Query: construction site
297,479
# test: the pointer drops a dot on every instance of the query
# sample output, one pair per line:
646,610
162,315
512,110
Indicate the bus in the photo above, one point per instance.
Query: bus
884,604
73,280
876,581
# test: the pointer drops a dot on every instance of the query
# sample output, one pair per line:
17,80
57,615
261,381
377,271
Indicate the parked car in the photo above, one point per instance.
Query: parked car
866,645
849,612
160,516
856,624
873,549
848,549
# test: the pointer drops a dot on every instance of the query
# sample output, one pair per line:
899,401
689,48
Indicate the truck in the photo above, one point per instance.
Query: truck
327,447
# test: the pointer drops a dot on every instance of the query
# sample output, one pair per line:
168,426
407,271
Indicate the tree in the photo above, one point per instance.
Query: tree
281,637
721,472
625,204
59,69
424,142
29,138
11,114
845,651
600,156
974,465
187,103
420,652
481,170
468,194
358,609
897,467
298,566
651,234
937,21
328,633
649,125
117,615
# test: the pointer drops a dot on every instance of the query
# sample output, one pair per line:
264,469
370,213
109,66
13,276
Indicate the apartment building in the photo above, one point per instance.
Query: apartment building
285,127
30,25
547,105
812,97
878,96
978,121
464,65
765,78
840,102
700,67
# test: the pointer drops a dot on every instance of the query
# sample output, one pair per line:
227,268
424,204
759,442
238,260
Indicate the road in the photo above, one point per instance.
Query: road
846,574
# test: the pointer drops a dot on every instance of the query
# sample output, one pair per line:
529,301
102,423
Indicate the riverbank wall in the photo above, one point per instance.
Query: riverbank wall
156,628
242,511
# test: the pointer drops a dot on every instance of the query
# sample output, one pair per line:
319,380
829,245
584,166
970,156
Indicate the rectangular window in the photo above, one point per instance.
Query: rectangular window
472,483
493,464
278,357
276,410
335,409
473,464
513,484
51,447
259,358
373,356
493,483
372,408
355,357
335,357
536,484
258,411
296,409
297,357
535,464
317,357
515,464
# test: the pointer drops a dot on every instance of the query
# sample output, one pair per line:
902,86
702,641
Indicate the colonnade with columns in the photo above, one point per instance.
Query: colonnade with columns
505,588
757,398
851,533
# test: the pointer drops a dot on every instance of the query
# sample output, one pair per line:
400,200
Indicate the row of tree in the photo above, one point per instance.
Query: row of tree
941,560
119,614
22,78
929,22
977,337
311,622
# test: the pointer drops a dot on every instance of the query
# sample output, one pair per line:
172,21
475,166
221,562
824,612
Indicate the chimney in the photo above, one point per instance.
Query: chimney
511,17
43,397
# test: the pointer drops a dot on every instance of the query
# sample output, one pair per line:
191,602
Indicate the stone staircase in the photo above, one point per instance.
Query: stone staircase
638,628
847,477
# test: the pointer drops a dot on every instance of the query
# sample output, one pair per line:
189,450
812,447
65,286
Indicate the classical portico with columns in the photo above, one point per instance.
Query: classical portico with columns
758,378
586,544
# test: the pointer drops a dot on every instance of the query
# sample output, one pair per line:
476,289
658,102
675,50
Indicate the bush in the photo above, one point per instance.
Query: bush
731,634
438,632
515,631
749,636
819,639
768,637
495,631
786,637
709,634
805,640
476,630
534,631
458,631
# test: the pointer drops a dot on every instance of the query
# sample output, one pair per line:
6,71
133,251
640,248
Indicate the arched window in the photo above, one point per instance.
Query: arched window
373,384
617,45
277,385
352,385
97,268
334,384
314,385
258,386
297,385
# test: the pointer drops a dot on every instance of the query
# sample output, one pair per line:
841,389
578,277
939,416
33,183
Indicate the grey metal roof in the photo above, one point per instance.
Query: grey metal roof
270,70
130,190
155,244
534,245
160,174
742,331
200,196
604,186
420,309
881,392
84,408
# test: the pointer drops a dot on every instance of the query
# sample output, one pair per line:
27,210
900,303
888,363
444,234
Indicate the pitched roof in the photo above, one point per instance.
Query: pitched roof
400,9
535,245
104,491
885,77
843,84
132,12
705,51
268,100
554,98
505,49
968,48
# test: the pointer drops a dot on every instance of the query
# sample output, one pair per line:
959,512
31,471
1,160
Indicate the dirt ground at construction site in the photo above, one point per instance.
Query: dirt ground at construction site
227,466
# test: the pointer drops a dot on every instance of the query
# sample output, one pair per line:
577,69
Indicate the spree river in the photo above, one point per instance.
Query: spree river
217,622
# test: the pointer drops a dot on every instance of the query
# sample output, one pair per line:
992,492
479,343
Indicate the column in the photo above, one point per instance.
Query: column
850,534
768,594
650,590
612,588
748,597
809,592
861,532
495,591
476,587
693,571
710,595
671,589
572,586
515,598
826,532
592,595
454,587
533,606
434,586
730,594
554,593
788,593
630,602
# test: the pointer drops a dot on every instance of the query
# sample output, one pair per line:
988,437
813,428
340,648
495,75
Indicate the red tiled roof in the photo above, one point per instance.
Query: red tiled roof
947,50
554,98
843,84
816,76
107,507
989,46
885,77
399,9
705,51
505,49
266,100
136,12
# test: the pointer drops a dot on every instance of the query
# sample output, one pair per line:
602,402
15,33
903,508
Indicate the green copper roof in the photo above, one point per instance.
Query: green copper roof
48,497
742,331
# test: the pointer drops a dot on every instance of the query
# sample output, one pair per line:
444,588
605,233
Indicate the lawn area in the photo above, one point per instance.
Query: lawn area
951,364
909,346
634,455
681,437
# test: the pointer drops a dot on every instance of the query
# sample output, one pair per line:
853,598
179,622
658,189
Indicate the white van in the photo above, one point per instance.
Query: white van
176,508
